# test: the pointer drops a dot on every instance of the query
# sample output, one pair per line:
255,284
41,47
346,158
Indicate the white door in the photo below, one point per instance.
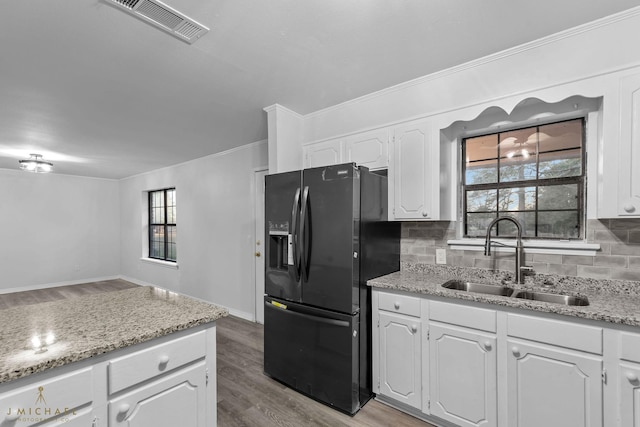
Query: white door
552,387
413,172
259,243
400,362
463,365
629,395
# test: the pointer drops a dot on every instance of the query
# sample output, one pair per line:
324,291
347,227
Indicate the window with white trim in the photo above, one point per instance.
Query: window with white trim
535,174
162,225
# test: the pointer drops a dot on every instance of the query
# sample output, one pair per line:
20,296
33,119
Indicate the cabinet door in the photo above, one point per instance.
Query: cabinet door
323,153
370,149
176,400
629,153
400,371
414,172
552,387
629,395
462,375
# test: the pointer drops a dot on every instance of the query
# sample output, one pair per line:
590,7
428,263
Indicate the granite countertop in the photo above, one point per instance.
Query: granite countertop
94,324
610,301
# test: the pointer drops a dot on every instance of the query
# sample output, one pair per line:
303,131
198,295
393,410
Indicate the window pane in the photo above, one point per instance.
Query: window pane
559,164
518,151
517,199
554,197
477,223
481,159
508,229
481,200
561,136
156,247
171,206
565,224
171,243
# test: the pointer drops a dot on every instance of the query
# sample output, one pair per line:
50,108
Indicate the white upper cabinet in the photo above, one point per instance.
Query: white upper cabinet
370,149
323,153
414,172
619,189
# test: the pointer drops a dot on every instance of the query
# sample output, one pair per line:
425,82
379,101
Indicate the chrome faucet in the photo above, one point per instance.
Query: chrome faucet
520,269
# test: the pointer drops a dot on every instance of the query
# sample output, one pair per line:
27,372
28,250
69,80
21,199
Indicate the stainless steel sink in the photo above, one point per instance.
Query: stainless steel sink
481,288
552,298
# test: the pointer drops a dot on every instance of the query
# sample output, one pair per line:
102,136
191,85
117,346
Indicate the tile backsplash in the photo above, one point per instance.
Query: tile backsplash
618,257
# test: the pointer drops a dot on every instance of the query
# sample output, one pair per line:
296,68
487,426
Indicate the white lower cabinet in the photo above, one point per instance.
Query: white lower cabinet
166,382
552,387
482,365
400,358
462,375
175,400
629,380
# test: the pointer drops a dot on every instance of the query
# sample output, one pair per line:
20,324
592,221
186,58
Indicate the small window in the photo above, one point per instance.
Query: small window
162,224
535,174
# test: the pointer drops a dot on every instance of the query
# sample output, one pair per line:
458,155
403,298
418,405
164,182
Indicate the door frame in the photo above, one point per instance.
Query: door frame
258,211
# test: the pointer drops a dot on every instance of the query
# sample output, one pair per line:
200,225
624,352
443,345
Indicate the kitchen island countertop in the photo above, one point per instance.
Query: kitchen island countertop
87,326
619,305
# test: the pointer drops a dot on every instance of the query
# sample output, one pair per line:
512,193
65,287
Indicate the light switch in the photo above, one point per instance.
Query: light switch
441,256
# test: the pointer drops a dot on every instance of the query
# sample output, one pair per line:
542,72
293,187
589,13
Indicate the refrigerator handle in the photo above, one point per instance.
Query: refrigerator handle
295,210
303,242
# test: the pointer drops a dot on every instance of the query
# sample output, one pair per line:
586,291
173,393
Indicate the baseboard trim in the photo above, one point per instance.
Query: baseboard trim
58,284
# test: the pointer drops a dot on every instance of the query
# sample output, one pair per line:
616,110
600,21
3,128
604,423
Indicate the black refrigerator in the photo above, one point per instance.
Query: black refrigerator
326,234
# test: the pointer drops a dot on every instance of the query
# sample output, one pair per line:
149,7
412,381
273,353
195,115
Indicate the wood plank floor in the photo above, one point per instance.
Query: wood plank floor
61,292
246,397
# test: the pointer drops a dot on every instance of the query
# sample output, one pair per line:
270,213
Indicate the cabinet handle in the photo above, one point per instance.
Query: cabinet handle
631,377
12,417
163,361
396,305
425,214
414,328
629,208
515,351
124,408
487,345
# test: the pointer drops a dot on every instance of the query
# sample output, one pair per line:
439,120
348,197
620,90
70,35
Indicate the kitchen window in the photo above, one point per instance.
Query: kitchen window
535,174
162,224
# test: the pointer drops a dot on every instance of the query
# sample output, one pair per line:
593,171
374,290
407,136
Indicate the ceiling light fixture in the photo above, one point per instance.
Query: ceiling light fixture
35,164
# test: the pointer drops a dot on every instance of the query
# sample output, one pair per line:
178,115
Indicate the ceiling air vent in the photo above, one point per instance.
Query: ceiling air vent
164,17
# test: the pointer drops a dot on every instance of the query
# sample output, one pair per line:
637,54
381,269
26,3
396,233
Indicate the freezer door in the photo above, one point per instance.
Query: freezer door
329,235
313,351
282,217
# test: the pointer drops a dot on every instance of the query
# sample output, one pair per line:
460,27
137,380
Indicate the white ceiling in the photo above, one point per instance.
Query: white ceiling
103,94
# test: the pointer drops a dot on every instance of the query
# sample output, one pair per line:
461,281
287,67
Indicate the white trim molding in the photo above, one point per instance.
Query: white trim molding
167,264
558,247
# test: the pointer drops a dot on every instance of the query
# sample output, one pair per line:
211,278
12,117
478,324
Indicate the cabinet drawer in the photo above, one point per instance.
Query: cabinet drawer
461,315
148,363
56,397
556,332
399,304
630,347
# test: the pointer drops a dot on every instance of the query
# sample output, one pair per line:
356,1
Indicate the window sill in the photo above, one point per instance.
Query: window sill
558,247
166,264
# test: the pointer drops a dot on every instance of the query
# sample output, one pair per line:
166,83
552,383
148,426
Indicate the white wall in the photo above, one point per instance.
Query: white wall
215,220
57,229
573,55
